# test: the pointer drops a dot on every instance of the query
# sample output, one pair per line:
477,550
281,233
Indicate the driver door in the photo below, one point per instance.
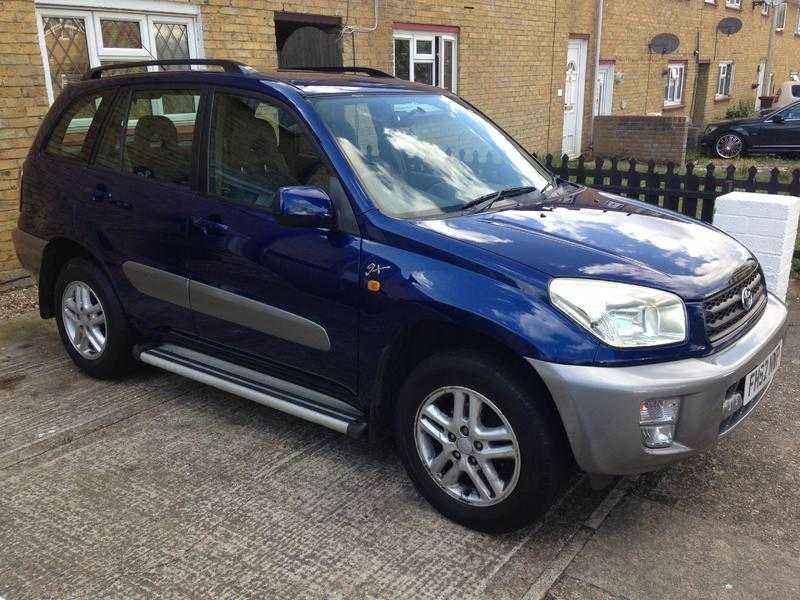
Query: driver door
259,286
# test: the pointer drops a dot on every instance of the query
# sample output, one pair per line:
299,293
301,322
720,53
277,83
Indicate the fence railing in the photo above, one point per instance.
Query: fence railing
691,192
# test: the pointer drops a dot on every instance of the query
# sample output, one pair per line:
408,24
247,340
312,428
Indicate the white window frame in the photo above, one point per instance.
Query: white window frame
725,91
780,17
733,4
146,12
673,94
797,24
414,57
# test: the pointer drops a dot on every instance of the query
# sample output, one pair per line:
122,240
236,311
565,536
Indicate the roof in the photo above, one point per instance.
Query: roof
307,82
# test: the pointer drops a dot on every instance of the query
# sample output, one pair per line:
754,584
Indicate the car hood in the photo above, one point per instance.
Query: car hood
731,122
595,234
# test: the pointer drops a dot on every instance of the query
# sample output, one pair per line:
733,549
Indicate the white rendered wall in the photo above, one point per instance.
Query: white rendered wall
767,225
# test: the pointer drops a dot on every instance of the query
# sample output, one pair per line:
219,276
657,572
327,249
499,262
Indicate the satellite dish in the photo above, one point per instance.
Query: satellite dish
664,43
729,25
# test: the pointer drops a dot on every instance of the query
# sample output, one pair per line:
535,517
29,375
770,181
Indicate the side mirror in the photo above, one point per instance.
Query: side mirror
305,206
779,119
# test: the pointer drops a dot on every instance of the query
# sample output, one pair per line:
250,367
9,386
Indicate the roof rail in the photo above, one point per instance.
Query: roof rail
365,70
229,66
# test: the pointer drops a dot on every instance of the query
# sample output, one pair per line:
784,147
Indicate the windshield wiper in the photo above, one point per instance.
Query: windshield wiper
485,202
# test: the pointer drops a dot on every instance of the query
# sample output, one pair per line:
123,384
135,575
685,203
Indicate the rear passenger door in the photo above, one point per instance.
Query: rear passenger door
251,276
136,201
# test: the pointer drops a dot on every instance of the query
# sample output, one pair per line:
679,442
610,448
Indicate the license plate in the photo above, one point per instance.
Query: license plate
759,378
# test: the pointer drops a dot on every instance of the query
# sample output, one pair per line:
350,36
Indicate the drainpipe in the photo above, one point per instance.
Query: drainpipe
768,68
598,42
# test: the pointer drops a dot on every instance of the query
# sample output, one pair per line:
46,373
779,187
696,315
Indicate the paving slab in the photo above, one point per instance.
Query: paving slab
45,401
201,493
648,550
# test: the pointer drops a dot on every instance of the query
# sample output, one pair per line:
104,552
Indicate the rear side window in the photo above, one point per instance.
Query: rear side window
796,91
77,128
150,134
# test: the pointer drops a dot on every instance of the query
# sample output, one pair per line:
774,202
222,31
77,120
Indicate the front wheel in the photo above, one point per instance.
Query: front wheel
729,145
480,441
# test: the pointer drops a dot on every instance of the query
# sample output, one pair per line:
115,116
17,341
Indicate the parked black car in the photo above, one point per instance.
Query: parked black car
777,132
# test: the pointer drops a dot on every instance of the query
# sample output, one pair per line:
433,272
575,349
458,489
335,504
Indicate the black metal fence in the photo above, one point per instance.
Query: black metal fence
691,192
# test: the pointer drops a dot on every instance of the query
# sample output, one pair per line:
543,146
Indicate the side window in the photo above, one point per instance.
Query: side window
75,131
109,148
792,114
256,148
156,137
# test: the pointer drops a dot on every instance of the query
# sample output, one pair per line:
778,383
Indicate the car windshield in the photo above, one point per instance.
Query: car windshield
421,155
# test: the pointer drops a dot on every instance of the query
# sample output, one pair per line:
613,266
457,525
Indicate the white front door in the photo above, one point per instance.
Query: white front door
604,92
762,68
573,98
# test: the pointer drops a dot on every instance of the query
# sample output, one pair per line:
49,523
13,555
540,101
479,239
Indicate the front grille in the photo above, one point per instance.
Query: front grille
724,312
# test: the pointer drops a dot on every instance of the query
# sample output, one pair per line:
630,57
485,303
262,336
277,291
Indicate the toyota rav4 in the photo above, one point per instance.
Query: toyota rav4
378,257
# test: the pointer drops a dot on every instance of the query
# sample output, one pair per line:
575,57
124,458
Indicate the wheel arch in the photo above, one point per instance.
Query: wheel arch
57,253
427,337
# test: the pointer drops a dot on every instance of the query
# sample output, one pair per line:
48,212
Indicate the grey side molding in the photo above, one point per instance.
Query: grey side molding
157,283
262,317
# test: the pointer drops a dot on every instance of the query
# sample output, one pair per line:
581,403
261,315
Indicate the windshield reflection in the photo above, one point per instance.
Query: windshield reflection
423,155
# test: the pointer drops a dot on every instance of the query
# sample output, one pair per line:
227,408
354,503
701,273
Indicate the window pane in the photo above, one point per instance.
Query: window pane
73,135
67,52
448,65
423,72
172,42
109,148
157,145
424,47
402,58
257,148
120,34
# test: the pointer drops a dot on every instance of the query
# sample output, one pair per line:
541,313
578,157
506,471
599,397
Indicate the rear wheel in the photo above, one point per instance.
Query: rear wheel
479,441
729,145
92,325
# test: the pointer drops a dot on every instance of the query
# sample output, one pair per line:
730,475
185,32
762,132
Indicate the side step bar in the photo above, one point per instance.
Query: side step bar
276,393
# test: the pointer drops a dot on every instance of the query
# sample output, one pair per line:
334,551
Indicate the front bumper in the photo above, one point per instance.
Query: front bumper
599,406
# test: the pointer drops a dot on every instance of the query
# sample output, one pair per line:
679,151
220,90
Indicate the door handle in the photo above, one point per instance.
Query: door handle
101,193
210,225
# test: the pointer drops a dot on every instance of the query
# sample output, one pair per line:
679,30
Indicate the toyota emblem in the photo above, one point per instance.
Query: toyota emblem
747,298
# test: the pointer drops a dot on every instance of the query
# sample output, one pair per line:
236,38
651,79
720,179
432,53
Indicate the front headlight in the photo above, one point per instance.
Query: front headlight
622,315
710,129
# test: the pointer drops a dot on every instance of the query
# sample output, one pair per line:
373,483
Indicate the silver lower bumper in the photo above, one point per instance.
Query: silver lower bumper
599,406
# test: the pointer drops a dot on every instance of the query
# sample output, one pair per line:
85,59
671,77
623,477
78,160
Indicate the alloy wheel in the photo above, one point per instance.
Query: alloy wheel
467,446
84,320
729,146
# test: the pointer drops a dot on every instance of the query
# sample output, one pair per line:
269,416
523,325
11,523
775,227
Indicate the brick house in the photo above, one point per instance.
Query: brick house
525,63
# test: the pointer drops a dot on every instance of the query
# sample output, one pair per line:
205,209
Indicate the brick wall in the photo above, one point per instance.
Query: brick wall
644,138
511,57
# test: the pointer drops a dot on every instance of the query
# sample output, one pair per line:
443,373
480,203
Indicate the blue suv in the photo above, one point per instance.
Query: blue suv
378,257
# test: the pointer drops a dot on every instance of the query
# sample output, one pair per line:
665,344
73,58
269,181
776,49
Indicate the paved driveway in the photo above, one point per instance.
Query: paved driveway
160,487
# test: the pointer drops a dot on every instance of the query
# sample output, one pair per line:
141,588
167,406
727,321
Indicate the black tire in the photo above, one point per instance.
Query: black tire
115,360
525,404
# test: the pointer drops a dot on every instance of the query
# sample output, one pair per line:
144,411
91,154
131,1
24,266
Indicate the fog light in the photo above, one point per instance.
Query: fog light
657,420
732,403
658,436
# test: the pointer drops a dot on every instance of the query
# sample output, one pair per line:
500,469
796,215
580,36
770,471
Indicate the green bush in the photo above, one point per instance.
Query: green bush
743,110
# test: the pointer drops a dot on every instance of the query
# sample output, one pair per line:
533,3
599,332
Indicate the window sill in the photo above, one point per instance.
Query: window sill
739,8
674,106
719,98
